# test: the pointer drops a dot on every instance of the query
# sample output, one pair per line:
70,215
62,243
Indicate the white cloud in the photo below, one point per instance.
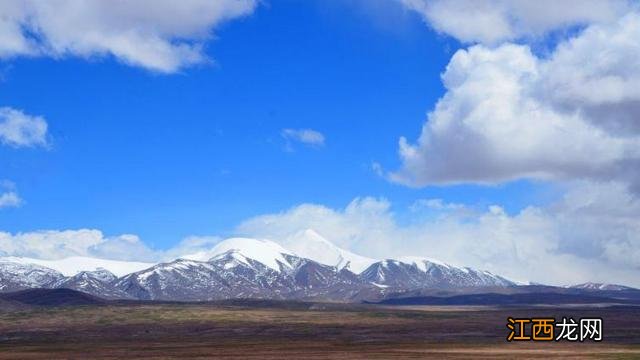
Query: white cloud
160,35
590,234
494,21
123,247
509,114
192,245
596,74
55,244
363,219
49,244
59,244
305,136
10,199
586,236
9,195
18,129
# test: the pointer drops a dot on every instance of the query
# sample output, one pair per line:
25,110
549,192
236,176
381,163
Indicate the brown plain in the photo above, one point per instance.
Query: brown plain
300,331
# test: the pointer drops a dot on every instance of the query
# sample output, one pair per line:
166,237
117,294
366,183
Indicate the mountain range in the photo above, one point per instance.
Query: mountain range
315,269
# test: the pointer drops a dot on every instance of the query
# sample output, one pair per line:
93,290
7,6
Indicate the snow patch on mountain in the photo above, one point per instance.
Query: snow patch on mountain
178,266
599,286
422,263
311,245
102,275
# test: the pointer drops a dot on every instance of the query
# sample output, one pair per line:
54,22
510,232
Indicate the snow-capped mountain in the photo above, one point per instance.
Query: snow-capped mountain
265,252
182,279
311,268
415,273
98,282
600,286
15,276
243,268
73,265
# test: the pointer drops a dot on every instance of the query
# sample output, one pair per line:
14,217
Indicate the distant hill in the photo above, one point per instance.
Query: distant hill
520,295
50,297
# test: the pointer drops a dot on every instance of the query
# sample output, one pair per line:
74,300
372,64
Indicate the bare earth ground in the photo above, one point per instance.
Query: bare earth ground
300,331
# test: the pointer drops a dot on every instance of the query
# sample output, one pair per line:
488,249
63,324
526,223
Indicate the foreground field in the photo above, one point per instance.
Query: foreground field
298,330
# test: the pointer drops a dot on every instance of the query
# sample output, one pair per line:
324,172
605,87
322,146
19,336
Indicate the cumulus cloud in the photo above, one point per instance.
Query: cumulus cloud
160,35
596,75
58,244
304,136
9,195
10,199
585,236
18,129
494,21
364,218
122,247
510,114
54,244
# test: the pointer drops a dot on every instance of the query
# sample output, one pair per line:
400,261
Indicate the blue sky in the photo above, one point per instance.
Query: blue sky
170,124
170,155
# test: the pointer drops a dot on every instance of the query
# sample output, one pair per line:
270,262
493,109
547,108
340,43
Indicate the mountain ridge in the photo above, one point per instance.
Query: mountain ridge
259,269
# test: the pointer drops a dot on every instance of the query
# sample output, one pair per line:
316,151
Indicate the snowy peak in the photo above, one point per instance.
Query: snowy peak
415,273
180,266
600,286
15,276
102,275
98,283
231,259
265,252
311,245
422,263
